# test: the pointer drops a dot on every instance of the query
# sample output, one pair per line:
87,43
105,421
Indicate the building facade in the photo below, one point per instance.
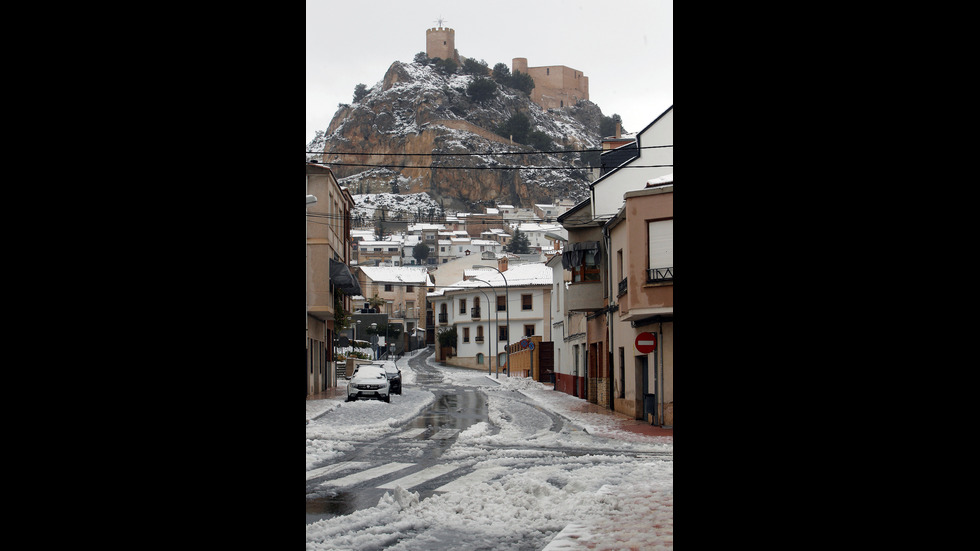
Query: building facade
329,283
403,290
641,238
489,314
555,86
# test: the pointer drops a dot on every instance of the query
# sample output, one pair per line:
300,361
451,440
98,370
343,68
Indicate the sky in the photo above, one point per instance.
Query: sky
624,47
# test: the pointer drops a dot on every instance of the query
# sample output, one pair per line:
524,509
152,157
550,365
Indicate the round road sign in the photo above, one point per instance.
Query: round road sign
646,342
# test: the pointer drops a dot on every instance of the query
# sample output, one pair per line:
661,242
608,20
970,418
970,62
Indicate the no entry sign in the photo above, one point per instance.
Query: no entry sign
646,342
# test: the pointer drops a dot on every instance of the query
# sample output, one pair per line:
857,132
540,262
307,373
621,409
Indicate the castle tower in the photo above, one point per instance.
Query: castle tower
440,42
519,64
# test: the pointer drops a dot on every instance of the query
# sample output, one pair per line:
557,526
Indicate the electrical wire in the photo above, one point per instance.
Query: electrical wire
437,167
487,153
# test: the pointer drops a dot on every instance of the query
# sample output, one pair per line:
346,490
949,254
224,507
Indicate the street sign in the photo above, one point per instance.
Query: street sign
530,345
646,342
524,343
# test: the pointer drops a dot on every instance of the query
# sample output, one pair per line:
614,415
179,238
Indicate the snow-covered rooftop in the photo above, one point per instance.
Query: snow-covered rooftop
396,274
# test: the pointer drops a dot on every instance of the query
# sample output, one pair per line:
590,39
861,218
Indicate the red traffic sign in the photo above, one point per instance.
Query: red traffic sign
646,342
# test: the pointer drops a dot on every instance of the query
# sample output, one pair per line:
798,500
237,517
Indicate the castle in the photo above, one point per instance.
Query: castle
555,86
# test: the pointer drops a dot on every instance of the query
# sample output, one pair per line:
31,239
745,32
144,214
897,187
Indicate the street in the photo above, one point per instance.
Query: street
463,460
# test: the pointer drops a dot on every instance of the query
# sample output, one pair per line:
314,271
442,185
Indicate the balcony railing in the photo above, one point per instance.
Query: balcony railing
478,338
443,318
660,274
475,313
622,287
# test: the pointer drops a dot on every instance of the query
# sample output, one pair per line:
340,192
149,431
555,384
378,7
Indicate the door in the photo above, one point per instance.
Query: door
643,392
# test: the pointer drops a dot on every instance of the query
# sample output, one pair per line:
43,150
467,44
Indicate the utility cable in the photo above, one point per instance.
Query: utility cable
487,153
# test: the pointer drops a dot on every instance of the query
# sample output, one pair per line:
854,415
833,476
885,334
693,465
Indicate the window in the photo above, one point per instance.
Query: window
388,287
466,334
526,303
462,306
479,359
501,303
660,242
529,330
409,288
501,333
588,271
479,333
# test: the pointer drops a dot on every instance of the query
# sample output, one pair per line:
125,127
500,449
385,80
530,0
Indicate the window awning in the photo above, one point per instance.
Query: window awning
341,277
574,254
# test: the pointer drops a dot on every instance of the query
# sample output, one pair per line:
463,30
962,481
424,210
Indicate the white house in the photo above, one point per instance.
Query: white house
568,332
481,305
607,191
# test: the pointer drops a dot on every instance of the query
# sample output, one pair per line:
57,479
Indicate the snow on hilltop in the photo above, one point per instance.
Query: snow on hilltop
416,110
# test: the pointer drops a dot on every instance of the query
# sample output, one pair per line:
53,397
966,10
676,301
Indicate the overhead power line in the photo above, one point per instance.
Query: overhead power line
450,167
480,154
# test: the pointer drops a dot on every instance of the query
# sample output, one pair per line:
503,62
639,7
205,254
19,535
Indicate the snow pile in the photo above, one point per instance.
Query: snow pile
526,484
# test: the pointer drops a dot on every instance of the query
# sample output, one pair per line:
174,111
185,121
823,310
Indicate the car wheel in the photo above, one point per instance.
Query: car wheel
388,398
350,399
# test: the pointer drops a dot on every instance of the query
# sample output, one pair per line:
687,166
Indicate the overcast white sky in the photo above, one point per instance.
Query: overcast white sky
625,47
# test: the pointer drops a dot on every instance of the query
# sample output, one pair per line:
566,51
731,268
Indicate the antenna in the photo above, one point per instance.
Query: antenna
440,20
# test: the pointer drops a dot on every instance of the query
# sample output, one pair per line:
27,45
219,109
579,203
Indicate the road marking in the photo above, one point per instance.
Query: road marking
356,478
475,477
411,433
444,434
424,475
336,467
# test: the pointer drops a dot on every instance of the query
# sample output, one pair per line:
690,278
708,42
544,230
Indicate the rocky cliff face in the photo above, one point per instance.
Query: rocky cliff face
417,110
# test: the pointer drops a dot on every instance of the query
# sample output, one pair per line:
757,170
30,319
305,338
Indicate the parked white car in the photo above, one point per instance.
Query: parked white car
369,381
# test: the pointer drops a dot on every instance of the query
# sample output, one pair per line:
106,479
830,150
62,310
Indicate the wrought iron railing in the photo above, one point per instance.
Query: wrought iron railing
443,318
660,274
622,286
475,312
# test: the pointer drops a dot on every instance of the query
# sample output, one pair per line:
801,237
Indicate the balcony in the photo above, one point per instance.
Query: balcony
478,338
475,313
443,318
622,287
656,275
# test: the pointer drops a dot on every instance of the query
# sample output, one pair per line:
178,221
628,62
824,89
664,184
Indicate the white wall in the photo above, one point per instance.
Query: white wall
607,193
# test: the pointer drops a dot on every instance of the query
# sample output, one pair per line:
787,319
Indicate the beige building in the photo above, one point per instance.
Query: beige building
555,86
403,289
641,260
440,42
328,255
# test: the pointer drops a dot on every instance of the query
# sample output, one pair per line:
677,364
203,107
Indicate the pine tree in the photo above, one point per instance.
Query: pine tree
519,244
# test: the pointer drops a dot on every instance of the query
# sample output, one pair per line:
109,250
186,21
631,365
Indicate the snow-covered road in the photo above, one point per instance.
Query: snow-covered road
537,474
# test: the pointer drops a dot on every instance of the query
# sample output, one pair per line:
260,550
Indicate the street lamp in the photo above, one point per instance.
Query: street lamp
506,309
496,348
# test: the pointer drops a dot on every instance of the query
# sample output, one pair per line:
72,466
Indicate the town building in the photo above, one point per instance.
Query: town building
403,290
641,239
568,334
491,310
618,376
329,282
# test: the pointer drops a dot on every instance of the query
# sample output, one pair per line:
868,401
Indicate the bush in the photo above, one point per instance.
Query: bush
482,89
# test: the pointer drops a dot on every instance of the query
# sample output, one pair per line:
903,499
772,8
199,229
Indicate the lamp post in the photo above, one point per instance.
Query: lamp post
506,308
496,345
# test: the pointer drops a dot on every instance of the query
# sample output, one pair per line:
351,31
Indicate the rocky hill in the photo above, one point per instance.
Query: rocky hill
416,109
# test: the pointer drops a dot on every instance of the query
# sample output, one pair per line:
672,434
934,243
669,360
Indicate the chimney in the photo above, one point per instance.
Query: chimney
619,129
